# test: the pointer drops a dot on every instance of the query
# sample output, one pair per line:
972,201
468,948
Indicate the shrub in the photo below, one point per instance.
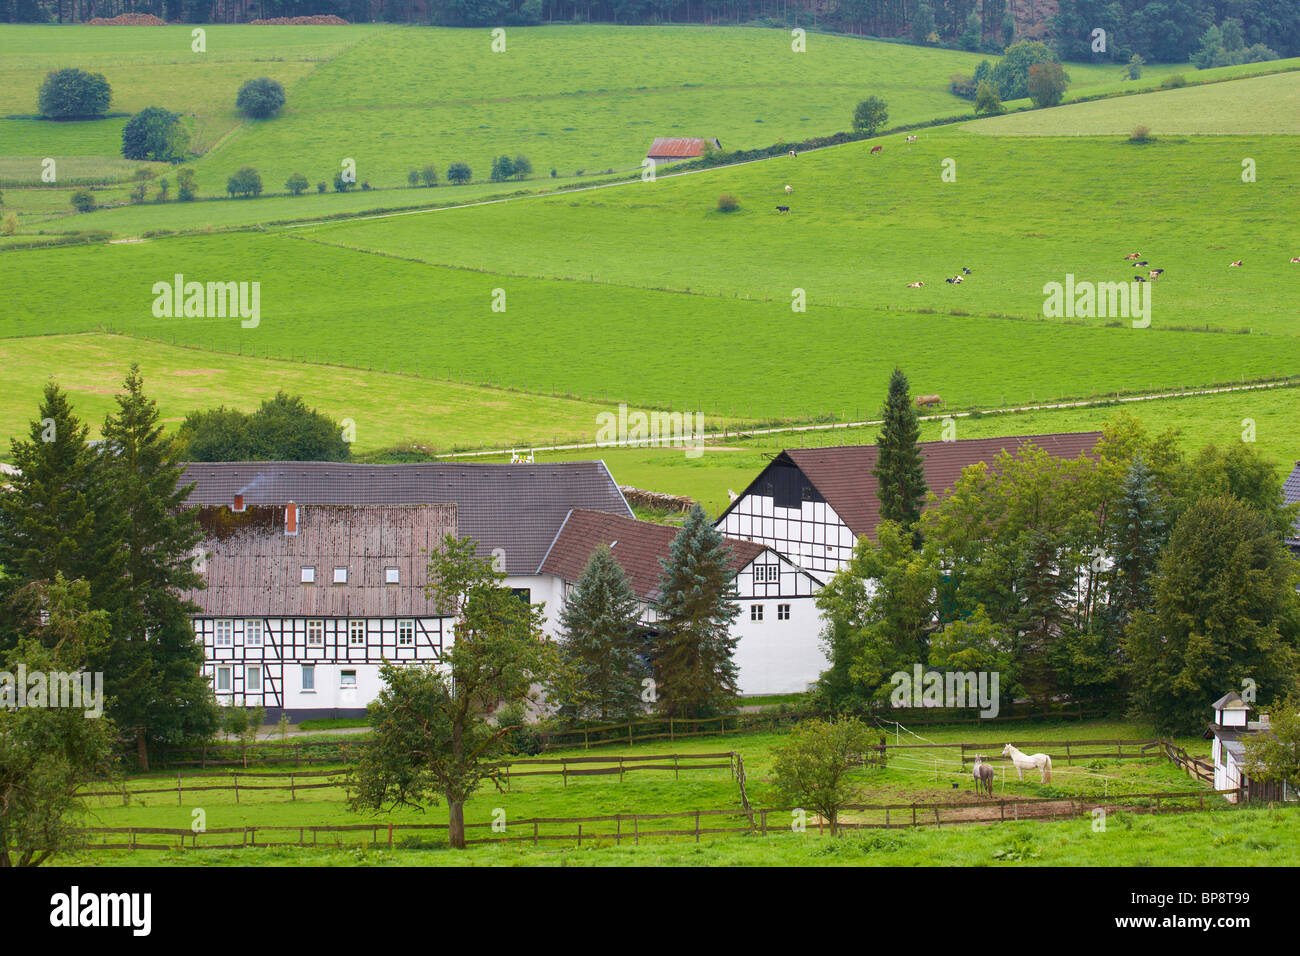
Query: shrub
82,200
262,98
1134,69
297,184
1141,134
959,84
1173,82
1011,76
870,115
74,94
164,187
246,182
458,173
186,184
429,176
728,203
1046,83
342,185
523,166
987,101
413,177
321,187
155,133
503,168
9,224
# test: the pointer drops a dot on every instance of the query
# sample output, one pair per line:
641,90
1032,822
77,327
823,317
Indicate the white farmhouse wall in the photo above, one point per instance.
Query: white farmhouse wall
812,535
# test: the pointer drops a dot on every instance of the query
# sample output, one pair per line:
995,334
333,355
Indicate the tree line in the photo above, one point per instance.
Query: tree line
1167,31
1140,574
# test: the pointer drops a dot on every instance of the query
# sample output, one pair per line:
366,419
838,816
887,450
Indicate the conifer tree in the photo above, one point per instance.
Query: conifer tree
1139,534
899,472
155,667
602,668
56,517
695,673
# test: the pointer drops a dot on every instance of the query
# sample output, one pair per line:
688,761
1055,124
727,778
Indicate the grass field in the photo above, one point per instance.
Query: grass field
913,776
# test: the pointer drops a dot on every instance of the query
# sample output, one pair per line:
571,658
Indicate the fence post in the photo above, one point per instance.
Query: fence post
534,833
390,836
636,830
579,834
236,776
764,816
178,788
697,826
293,793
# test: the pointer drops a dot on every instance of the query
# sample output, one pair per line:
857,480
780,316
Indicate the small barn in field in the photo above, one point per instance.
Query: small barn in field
1230,729
667,149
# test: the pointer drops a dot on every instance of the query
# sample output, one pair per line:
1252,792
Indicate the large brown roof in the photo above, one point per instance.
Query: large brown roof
517,508
636,545
843,474
666,147
253,567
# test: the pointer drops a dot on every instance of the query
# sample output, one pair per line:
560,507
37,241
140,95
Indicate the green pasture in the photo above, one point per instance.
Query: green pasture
388,409
1021,213
921,775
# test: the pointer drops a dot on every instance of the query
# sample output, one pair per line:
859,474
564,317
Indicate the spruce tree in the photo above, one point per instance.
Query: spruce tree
695,673
602,670
899,472
57,516
155,668
1135,547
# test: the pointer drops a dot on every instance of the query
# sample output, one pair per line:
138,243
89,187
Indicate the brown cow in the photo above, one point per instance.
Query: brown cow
923,400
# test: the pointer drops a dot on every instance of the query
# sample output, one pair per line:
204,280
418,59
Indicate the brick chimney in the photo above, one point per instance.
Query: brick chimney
239,503
291,519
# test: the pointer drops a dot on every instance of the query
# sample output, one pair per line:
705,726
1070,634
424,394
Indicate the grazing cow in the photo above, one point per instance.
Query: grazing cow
1139,279
782,208
951,281
915,285
1295,258
789,190
1157,272
1134,255
911,139
957,279
876,149
792,154
923,400
1235,264
1142,262
965,271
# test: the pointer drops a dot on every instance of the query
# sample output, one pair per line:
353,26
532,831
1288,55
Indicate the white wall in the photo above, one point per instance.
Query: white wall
775,656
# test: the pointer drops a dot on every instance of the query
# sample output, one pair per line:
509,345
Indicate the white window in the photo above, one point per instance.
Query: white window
253,680
315,633
309,678
783,612
224,679
347,678
225,633
340,575
756,612
308,575
253,633
767,574
392,576
405,633
357,633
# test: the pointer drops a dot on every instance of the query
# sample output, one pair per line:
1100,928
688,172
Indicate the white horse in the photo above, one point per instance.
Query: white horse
1025,762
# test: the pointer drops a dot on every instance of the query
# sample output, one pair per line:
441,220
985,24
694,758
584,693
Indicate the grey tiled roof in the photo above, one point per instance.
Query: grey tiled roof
1291,494
518,508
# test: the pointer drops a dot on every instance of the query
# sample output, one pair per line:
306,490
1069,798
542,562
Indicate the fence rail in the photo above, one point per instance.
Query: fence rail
632,826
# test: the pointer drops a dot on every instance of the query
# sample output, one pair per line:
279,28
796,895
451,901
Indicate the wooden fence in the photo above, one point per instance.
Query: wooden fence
1202,770
563,767
637,826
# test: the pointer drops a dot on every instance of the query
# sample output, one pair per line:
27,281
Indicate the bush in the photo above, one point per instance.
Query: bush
413,177
321,187
1173,82
1046,83
297,184
1134,69
987,101
728,203
342,185
1141,134
262,98
429,176
458,173
282,429
82,200
155,134
74,94
959,84
503,168
9,224
1011,76
870,115
523,166
246,182
186,184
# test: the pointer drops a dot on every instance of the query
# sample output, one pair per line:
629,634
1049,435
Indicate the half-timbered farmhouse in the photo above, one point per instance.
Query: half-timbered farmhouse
778,630
812,504
315,571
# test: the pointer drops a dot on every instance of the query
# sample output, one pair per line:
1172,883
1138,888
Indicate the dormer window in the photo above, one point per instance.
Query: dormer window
308,575
392,576
340,575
